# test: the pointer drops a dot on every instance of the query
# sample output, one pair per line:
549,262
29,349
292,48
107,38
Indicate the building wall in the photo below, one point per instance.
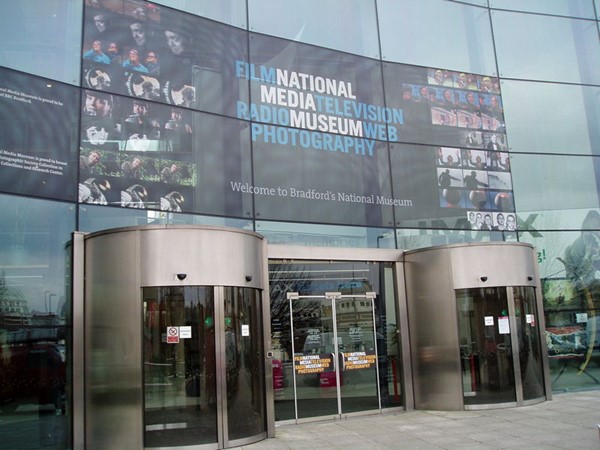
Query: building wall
541,57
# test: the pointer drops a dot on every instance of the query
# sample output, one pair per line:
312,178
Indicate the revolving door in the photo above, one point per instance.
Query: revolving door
477,326
500,349
203,377
175,329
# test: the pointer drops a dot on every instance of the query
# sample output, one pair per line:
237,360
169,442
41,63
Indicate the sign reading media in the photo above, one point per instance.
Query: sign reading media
300,108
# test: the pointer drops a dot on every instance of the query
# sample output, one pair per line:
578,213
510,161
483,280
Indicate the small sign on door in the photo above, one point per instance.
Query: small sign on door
245,330
172,335
503,326
185,332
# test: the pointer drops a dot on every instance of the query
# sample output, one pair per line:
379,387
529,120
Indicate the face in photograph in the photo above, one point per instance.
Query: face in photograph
96,135
138,33
176,42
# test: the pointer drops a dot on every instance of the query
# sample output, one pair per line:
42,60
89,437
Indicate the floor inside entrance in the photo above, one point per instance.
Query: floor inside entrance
189,425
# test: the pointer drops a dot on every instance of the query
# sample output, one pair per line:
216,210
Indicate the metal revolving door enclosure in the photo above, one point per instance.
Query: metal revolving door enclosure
175,331
477,326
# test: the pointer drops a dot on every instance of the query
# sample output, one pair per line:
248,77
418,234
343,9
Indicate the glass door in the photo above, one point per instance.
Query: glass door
357,346
530,351
499,345
203,367
486,351
314,360
335,354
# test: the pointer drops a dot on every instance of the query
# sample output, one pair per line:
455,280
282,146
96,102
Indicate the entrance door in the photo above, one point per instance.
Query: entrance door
500,346
335,354
203,366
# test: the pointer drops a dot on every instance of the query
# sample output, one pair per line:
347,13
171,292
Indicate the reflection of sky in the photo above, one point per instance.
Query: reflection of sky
469,27
34,255
559,112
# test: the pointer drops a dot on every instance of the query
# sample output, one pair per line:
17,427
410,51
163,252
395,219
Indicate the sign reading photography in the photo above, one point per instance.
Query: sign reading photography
37,143
312,136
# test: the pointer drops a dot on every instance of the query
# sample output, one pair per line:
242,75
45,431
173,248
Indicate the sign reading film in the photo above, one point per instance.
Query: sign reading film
359,360
309,364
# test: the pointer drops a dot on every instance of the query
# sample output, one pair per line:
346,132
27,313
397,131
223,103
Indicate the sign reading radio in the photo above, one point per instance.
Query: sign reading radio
306,364
359,360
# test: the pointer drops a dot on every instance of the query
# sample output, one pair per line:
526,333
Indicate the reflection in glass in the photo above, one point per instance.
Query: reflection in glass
574,8
532,376
314,358
432,22
565,117
35,40
96,218
244,349
537,190
326,235
485,348
180,396
232,12
388,341
550,48
571,290
297,21
312,337
357,349
34,323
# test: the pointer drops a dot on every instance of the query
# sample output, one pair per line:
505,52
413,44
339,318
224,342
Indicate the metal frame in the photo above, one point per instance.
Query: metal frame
392,256
220,367
514,343
78,340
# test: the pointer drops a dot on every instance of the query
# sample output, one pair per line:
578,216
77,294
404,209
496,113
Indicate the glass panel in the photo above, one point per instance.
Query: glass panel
476,2
552,118
96,218
314,358
466,27
569,269
232,12
409,239
142,155
388,340
42,38
244,354
447,108
485,349
537,189
452,188
341,170
298,21
528,334
35,323
550,48
38,141
145,51
357,354
325,235
575,8
179,366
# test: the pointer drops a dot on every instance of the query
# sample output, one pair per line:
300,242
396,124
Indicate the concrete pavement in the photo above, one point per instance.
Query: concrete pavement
569,421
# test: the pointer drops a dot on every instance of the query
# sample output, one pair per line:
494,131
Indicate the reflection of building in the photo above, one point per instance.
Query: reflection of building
13,307
240,155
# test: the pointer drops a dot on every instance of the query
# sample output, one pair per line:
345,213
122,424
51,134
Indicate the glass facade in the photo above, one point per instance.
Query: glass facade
377,124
